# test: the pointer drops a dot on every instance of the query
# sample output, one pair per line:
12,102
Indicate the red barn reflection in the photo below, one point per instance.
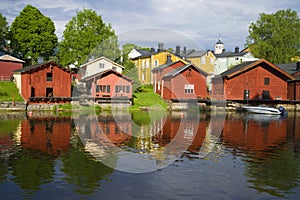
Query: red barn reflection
47,134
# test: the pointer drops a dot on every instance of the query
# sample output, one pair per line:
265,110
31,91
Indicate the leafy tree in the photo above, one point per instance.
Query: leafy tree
33,34
108,48
3,32
275,37
83,33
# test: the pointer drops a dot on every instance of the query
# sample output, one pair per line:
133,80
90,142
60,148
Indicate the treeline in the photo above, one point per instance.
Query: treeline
275,37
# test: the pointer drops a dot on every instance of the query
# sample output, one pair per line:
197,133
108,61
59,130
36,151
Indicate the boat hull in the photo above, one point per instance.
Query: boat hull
262,110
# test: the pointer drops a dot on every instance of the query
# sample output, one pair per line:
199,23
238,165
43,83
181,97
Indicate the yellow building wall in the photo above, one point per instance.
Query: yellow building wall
209,62
146,64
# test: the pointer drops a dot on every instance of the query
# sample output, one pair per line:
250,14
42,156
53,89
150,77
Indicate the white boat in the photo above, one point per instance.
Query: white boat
265,110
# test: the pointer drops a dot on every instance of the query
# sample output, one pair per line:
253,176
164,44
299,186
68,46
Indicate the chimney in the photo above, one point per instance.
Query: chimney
237,49
160,47
169,59
177,50
184,50
152,50
298,66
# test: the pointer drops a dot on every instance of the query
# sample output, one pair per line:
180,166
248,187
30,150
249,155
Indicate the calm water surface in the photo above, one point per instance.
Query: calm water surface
57,156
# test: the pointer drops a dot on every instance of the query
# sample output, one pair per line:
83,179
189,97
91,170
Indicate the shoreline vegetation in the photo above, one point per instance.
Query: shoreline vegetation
144,99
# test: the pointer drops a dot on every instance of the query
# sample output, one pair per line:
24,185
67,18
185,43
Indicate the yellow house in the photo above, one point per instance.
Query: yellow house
145,64
205,60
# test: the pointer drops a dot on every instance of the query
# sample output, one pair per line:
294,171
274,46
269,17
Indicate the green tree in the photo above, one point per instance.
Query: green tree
33,34
275,37
4,36
108,48
83,33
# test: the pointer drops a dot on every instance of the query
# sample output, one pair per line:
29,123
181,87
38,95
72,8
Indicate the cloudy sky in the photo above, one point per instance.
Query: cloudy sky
192,23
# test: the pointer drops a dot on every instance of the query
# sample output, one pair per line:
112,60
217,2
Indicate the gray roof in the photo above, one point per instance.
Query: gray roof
176,71
161,67
219,42
195,54
289,68
143,52
28,68
230,54
235,68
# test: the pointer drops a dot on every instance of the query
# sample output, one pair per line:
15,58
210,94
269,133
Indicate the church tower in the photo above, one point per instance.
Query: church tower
219,47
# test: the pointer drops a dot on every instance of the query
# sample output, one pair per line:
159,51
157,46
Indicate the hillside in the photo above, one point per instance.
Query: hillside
9,92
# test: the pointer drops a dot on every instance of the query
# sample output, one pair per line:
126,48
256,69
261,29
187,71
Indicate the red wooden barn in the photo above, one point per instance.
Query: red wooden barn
8,64
46,82
254,80
184,82
160,71
109,84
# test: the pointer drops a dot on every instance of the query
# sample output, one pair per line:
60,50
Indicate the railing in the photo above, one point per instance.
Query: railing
6,78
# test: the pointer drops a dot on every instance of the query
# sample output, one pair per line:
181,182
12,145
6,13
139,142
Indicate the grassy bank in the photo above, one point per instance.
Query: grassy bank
145,97
9,92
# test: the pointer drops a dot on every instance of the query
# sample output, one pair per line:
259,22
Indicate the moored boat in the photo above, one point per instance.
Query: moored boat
265,110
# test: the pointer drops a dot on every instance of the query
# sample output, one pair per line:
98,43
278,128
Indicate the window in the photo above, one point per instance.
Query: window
203,60
267,81
246,94
103,88
156,63
211,61
49,76
101,65
114,68
158,85
189,89
122,88
49,92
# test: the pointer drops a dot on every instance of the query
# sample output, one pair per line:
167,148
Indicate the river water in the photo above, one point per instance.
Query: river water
144,155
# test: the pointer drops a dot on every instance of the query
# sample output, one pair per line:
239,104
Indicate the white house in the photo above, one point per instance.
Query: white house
225,60
99,65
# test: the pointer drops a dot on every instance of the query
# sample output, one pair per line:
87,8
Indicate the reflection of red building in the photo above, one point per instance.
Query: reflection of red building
117,131
50,135
254,134
183,132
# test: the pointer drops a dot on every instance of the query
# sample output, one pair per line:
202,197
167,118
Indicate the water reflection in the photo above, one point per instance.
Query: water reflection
48,150
272,165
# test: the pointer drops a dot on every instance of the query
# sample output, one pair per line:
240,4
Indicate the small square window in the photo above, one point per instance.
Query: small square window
267,81
49,76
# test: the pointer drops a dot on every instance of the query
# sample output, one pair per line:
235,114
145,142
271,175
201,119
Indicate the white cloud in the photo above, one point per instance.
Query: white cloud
203,20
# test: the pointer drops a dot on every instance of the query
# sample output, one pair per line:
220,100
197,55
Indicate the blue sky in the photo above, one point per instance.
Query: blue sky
192,23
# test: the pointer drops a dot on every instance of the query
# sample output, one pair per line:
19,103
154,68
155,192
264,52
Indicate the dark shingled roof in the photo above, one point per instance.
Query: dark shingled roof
103,73
176,71
289,68
219,42
239,68
28,68
195,54
161,67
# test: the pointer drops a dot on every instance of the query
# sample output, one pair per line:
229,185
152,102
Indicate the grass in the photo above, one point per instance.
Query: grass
146,97
9,92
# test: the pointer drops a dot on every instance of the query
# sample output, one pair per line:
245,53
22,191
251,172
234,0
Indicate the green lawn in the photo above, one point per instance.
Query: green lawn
9,92
146,97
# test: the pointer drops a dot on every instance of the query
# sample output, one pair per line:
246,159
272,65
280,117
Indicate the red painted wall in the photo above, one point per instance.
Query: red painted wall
112,79
176,85
159,74
253,80
7,68
61,82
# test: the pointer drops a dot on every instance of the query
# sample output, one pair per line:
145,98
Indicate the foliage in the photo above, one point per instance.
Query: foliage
33,34
145,97
9,92
3,32
275,37
108,48
83,33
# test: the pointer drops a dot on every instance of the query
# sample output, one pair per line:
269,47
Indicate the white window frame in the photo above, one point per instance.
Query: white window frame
189,88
